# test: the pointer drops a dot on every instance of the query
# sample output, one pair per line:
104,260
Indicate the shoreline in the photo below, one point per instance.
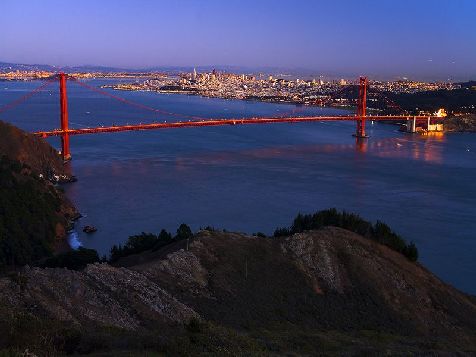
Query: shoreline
290,102
249,99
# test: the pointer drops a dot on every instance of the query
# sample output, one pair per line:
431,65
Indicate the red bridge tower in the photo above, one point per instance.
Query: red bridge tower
361,108
65,152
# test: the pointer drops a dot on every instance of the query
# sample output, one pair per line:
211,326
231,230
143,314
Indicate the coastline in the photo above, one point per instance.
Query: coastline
247,98
455,122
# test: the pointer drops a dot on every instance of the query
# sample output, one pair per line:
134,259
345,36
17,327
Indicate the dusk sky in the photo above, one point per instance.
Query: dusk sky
423,38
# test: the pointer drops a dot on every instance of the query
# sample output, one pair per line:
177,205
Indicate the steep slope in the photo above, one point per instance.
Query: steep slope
32,151
324,291
325,279
34,214
461,123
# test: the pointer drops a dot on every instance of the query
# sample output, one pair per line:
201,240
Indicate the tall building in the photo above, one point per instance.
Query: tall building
194,75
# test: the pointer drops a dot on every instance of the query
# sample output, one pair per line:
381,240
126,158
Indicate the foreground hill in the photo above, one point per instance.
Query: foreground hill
322,291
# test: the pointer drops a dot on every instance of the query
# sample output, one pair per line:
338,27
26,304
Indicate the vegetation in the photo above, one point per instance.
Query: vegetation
379,232
75,259
148,241
29,213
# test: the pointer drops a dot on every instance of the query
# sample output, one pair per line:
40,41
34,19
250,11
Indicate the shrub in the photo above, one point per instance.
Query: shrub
75,260
183,232
411,252
163,239
281,232
149,241
194,325
139,243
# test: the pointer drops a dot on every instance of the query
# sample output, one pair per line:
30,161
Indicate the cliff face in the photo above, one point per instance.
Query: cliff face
322,291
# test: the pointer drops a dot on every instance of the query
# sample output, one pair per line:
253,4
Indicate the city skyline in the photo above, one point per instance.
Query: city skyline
428,40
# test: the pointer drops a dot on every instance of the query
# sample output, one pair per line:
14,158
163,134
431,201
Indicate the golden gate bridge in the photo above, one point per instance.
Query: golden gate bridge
65,131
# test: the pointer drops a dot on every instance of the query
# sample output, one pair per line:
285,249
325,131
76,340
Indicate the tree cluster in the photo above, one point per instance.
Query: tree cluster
379,232
74,260
148,241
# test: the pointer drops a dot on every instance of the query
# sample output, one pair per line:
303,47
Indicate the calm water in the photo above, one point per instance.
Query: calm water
255,178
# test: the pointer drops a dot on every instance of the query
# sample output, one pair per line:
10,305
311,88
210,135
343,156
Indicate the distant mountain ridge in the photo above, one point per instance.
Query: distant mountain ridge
302,73
8,66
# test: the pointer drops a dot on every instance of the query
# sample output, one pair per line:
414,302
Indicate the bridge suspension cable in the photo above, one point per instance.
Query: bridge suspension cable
161,111
24,97
135,104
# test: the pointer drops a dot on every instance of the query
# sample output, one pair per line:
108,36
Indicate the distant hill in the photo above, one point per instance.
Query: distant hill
6,67
468,85
456,100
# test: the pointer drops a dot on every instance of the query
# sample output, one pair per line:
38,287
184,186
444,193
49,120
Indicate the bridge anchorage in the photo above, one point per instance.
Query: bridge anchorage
65,132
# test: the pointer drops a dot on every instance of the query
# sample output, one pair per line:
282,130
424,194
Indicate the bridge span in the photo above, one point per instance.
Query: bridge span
218,122
65,131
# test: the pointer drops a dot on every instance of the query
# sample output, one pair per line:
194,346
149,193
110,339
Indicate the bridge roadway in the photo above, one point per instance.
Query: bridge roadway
218,122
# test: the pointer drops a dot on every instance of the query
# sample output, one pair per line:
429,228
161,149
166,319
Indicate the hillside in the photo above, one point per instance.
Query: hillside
34,214
317,292
457,100
32,151
461,123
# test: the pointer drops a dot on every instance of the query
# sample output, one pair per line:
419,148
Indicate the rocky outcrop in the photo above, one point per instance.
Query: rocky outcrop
317,260
101,294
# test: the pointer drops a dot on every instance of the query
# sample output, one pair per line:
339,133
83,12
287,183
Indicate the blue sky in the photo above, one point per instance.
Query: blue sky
424,38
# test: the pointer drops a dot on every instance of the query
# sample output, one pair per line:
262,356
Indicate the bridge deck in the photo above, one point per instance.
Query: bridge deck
218,122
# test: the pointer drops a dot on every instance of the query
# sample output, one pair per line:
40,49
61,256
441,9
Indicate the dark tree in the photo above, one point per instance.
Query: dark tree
183,232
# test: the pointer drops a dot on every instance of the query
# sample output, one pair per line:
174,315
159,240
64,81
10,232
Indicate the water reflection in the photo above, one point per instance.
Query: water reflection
361,144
